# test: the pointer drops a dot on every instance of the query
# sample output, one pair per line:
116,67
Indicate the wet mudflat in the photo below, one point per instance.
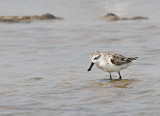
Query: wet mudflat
43,68
123,83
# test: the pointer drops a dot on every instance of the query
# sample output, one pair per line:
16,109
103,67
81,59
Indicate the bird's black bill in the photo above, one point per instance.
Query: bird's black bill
91,66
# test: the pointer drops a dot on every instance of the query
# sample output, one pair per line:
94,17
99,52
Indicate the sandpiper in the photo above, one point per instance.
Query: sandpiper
110,62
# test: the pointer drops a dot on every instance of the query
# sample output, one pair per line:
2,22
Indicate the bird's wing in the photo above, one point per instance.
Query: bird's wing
118,59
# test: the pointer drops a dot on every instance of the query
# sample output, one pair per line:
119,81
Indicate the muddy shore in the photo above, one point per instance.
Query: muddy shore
27,19
114,17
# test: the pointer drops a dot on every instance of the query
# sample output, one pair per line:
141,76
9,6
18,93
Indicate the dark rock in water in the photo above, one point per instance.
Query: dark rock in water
114,17
27,19
48,16
111,16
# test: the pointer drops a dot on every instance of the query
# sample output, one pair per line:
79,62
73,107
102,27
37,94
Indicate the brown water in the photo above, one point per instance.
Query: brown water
43,68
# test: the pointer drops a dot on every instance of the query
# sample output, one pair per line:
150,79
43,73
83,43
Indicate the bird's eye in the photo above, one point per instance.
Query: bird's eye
97,57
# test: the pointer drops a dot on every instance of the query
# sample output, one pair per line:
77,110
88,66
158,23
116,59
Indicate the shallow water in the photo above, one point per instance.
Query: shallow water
44,64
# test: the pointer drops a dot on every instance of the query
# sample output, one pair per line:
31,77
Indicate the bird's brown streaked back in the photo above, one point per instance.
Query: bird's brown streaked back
118,59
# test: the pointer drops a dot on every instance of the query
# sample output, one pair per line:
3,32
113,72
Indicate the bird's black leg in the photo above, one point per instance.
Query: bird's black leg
110,76
119,75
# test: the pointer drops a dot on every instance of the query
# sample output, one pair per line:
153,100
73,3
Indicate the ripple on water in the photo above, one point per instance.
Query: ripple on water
33,79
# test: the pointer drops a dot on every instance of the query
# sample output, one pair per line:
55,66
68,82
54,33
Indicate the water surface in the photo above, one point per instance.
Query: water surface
43,68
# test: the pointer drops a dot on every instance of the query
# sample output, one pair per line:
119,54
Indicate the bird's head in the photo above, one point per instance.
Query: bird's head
95,59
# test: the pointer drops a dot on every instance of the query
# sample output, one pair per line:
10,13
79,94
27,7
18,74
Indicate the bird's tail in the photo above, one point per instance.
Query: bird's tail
135,58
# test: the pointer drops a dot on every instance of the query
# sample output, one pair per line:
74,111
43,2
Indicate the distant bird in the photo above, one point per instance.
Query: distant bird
110,62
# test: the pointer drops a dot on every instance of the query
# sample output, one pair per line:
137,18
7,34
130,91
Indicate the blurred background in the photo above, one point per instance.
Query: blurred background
43,68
